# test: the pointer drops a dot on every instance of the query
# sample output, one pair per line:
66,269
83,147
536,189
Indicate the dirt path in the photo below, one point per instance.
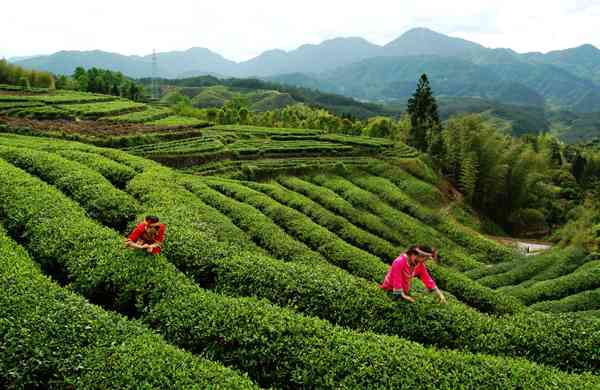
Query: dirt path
529,247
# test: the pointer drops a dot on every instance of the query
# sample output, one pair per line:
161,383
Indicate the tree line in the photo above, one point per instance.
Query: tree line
26,78
102,81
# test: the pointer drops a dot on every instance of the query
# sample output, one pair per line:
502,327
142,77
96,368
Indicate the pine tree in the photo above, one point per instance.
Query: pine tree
424,117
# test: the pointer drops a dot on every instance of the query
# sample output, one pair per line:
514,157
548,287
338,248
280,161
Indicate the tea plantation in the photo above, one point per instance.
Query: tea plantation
276,243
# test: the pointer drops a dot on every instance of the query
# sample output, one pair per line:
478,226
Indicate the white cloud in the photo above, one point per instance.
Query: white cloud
240,29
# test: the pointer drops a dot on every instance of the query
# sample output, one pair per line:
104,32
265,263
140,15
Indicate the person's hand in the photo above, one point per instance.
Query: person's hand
400,295
149,248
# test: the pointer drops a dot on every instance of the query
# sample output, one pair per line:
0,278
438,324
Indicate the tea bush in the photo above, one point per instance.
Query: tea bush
259,227
483,248
117,174
584,301
99,198
586,277
49,336
275,346
343,299
336,250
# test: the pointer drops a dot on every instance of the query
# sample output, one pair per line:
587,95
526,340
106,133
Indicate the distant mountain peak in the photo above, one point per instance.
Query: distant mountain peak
423,41
587,46
421,31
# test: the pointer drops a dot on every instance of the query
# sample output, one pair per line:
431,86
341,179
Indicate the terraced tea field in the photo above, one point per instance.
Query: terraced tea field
270,283
81,106
227,148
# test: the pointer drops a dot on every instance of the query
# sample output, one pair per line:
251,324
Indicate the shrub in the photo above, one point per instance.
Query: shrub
423,192
481,247
467,291
117,174
337,251
52,145
584,278
410,229
519,271
341,298
336,224
100,199
51,336
583,301
275,346
259,227
565,261
527,221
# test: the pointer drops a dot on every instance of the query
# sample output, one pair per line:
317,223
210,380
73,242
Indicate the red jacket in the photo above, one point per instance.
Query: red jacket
399,276
138,232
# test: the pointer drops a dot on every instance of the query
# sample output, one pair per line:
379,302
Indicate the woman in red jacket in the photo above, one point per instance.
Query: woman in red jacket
148,235
405,267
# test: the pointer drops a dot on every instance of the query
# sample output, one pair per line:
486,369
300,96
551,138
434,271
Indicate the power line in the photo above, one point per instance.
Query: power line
154,72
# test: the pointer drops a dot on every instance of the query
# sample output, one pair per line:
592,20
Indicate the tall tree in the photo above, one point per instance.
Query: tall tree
424,117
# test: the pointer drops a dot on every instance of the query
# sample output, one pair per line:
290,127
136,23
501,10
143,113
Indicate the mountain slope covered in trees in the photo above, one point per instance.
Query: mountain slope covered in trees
567,78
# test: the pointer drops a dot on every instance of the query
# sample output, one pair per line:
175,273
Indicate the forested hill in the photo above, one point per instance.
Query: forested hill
568,79
261,96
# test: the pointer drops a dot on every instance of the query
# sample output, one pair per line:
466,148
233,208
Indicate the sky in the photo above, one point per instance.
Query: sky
240,30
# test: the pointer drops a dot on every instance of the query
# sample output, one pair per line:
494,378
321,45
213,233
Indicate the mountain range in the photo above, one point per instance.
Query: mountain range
568,79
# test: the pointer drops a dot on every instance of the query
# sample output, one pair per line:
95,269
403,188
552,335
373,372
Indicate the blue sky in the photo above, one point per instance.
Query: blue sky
240,30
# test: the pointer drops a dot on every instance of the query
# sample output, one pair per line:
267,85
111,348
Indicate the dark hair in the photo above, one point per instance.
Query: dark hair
419,249
151,218
413,250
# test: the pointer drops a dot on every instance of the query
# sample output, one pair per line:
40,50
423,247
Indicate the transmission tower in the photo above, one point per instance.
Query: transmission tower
154,71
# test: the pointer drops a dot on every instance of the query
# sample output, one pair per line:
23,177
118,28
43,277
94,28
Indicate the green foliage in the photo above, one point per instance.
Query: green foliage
105,141
237,142
260,228
418,187
229,265
584,301
581,228
14,74
337,251
379,127
526,221
334,223
117,174
104,81
58,97
175,121
209,91
22,104
494,169
477,245
50,335
148,115
40,113
586,277
100,199
95,110
470,293
407,229
275,346
513,273
424,117
468,176
175,98
195,145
